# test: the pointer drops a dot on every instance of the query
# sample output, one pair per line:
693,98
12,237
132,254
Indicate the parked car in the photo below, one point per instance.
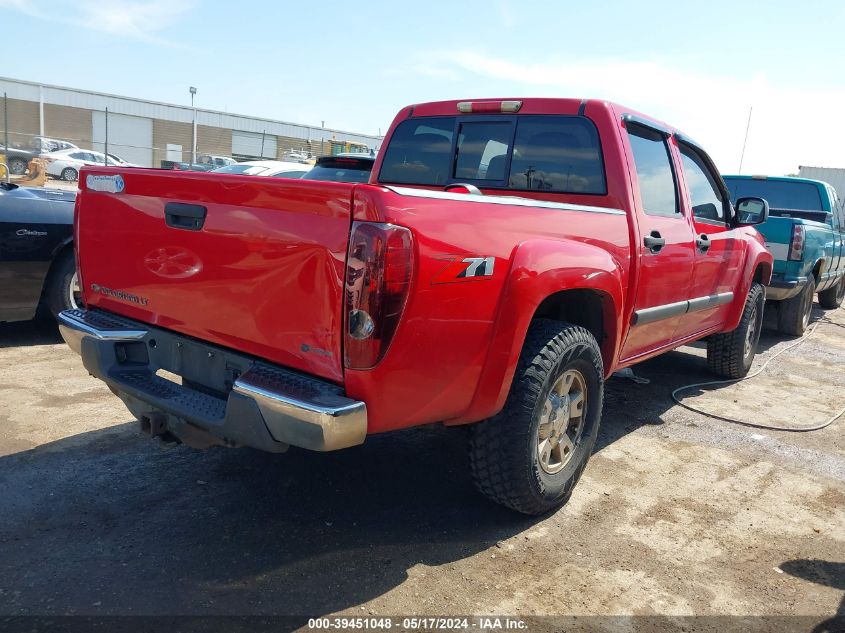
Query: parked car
205,162
44,145
275,168
342,168
17,159
506,258
805,233
65,164
37,266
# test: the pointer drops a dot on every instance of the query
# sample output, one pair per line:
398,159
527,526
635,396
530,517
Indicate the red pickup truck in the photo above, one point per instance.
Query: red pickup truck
504,259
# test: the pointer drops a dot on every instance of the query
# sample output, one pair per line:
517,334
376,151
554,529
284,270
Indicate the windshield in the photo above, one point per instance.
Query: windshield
780,194
558,154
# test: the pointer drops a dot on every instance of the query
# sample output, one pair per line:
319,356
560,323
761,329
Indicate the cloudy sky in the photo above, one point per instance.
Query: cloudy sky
699,66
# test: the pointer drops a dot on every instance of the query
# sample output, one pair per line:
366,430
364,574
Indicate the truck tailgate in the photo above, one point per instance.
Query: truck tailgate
262,272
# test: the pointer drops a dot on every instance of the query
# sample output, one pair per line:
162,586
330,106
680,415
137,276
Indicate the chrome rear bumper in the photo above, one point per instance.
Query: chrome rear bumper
231,396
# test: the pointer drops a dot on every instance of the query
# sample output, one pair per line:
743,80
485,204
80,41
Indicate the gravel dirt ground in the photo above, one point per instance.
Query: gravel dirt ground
676,513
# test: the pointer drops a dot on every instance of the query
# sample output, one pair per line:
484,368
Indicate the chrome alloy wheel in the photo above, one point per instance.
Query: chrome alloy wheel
74,298
562,421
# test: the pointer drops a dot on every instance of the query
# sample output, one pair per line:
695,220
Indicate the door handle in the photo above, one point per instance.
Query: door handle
654,242
189,217
702,242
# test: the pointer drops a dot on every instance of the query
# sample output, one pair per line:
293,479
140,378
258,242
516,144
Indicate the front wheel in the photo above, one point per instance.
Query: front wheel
530,456
833,296
70,174
730,354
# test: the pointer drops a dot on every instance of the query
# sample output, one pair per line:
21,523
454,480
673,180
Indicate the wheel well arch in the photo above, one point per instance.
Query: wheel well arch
763,273
62,250
817,270
591,309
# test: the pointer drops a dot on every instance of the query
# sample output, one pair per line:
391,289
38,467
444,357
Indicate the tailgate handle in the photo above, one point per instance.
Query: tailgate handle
179,215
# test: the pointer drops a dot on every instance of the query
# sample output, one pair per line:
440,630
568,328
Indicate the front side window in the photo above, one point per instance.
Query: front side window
704,193
654,171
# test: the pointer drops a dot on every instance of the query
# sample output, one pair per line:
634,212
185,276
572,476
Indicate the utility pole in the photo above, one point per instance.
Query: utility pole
6,136
193,91
106,152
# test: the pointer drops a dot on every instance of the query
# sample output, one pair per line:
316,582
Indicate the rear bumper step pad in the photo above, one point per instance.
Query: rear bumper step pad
233,397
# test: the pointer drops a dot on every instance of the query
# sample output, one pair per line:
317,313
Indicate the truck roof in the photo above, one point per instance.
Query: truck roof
533,105
818,183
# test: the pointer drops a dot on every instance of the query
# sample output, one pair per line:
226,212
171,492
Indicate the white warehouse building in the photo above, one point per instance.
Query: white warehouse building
148,132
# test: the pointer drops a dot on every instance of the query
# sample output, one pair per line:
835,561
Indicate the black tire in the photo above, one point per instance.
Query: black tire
832,297
17,166
70,174
59,284
730,354
794,313
504,451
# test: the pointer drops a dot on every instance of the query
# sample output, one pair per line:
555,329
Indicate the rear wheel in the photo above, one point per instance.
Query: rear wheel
62,290
794,314
530,456
730,354
833,296
70,174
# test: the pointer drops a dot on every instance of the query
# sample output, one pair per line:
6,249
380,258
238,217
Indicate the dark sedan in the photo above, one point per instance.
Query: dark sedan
37,266
17,159
342,168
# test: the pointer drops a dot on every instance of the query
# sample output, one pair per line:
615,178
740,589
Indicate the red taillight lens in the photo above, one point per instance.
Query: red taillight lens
796,246
378,276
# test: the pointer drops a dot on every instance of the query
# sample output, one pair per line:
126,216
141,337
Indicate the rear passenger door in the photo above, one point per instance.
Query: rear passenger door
666,250
718,252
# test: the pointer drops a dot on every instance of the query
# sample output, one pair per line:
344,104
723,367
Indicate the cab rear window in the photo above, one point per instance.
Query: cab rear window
557,154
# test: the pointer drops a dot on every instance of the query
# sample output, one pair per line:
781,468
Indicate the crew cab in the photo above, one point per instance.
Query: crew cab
505,257
805,233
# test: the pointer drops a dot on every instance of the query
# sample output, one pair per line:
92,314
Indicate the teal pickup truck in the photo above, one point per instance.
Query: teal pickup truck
805,233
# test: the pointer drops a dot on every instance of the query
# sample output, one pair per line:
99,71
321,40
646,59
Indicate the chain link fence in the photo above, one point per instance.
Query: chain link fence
46,145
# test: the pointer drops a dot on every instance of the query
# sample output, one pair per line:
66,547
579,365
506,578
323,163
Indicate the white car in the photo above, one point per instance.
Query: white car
65,164
276,168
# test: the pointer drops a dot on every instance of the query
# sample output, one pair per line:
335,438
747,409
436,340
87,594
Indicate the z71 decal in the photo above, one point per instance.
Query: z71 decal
465,269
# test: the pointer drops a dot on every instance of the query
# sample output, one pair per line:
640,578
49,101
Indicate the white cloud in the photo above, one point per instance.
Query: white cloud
792,125
136,19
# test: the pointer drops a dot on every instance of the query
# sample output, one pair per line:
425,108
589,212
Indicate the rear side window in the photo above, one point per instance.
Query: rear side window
655,175
557,154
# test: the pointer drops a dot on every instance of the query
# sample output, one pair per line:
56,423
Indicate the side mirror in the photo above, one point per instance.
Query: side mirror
750,211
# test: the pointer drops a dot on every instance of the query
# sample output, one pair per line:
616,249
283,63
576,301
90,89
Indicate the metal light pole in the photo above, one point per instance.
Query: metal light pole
193,91
6,136
106,152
